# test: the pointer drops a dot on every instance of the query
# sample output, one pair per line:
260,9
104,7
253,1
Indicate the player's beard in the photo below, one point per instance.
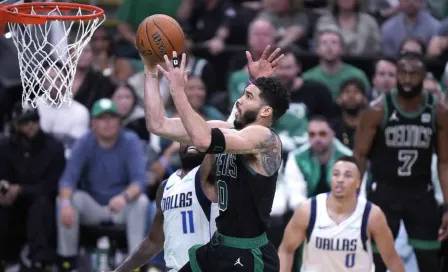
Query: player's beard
248,117
190,160
415,91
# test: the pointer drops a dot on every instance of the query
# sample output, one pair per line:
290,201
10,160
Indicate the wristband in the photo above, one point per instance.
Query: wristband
65,202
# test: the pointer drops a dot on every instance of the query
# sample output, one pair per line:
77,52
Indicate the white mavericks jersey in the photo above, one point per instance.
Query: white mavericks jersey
332,247
189,217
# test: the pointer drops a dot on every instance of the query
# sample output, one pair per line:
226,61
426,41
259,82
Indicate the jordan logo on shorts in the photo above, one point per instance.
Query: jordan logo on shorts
238,262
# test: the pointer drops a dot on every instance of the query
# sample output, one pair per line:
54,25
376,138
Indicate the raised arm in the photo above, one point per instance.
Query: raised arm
382,235
295,234
153,242
172,128
156,120
371,119
442,163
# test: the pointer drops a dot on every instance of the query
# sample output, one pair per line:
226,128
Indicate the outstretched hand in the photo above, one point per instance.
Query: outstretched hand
177,76
266,65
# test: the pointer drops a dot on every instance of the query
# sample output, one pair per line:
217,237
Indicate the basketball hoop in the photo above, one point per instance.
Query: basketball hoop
48,65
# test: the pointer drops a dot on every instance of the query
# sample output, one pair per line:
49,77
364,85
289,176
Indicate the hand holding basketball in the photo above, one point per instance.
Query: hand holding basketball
176,75
156,36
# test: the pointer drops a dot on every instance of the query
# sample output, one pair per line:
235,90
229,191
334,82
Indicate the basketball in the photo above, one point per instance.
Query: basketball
158,35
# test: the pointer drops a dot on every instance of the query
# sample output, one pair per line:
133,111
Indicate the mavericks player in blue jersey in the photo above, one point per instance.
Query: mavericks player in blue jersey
185,214
337,228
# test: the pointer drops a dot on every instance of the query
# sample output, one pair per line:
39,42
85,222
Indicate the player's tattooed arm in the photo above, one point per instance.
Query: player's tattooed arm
271,157
371,119
153,242
256,140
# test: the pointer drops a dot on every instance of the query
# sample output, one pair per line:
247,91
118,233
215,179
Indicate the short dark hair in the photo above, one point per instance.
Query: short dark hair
351,159
418,40
275,94
126,84
412,56
290,50
330,30
389,59
318,118
336,10
353,81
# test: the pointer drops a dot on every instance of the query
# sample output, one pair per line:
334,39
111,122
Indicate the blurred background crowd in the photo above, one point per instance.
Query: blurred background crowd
339,56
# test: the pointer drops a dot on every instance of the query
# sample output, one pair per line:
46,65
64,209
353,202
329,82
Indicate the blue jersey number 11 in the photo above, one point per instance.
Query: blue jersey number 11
187,221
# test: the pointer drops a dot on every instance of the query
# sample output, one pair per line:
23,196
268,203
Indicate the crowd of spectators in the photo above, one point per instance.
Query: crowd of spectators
94,162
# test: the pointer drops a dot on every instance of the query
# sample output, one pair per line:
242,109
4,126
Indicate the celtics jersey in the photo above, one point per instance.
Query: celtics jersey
244,197
403,147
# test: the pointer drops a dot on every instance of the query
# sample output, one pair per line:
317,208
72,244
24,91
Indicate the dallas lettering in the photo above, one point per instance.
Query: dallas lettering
336,244
181,200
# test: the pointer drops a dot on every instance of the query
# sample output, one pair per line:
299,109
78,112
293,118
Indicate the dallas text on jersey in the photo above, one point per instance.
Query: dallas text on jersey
336,244
180,200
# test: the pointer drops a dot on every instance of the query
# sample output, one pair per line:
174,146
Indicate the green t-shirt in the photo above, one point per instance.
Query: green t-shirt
134,12
334,81
310,166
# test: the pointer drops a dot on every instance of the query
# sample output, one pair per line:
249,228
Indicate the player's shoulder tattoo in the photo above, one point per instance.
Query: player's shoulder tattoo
271,157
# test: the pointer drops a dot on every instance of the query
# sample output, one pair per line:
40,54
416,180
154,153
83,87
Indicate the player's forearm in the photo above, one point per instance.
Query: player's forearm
141,255
133,191
155,111
362,162
286,259
394,264
156,120
443,178
196,127
65,193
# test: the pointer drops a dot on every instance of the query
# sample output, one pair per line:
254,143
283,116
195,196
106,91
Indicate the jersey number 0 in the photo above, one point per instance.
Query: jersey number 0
222,195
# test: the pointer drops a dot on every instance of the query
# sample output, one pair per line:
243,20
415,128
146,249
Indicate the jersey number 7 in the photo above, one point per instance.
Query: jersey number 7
408,159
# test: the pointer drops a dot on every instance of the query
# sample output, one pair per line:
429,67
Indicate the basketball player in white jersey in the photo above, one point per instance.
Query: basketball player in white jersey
185,213
337,228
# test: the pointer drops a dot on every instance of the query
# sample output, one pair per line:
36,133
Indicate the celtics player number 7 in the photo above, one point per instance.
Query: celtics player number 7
408,158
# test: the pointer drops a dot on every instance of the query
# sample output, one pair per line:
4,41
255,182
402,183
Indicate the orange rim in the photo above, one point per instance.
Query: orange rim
21,13
2,23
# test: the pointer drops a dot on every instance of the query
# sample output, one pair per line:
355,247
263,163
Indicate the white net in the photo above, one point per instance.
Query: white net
47,61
